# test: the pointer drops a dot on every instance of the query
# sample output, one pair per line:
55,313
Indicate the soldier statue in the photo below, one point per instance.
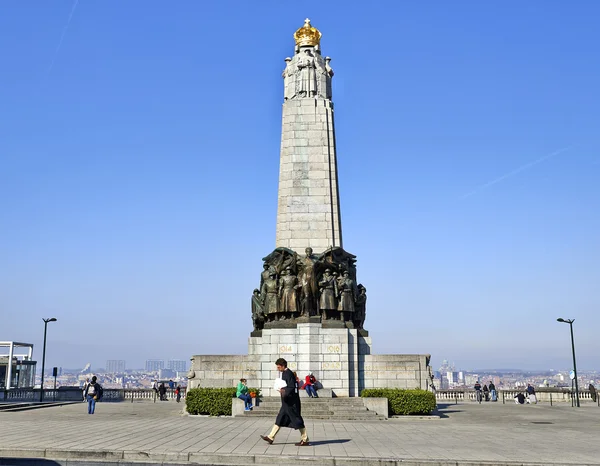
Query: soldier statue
268,294
361,307
347,290
308,299
258,315
328,288
288,285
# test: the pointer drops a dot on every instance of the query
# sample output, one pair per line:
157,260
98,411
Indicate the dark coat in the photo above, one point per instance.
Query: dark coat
290,412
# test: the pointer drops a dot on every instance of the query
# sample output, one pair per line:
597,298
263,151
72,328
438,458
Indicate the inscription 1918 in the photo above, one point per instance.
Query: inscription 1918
332,365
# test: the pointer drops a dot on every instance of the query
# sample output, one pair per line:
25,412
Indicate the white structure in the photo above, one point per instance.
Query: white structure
13,364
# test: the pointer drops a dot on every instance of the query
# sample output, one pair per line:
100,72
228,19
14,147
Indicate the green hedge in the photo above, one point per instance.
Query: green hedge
403,402
212,401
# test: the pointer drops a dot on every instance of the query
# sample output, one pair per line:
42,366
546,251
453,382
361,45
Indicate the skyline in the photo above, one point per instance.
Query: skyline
139,161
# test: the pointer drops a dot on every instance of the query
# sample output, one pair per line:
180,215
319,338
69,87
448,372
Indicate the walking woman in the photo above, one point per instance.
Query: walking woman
290,413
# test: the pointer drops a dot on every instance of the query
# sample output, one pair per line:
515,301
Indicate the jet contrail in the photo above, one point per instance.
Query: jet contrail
62,36
514,172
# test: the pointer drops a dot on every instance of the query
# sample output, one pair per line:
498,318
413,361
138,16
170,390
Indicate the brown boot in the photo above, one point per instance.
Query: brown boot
267,439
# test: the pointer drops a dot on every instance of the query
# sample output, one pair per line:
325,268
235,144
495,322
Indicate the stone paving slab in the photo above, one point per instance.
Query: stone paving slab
158,433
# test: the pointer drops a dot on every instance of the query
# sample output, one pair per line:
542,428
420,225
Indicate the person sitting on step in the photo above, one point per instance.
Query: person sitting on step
309,385
242,393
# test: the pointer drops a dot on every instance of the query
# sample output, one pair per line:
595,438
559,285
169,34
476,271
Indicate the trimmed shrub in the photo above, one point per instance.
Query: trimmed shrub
404,402
212,401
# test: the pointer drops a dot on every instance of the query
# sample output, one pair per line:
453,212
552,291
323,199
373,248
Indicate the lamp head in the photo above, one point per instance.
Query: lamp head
560,319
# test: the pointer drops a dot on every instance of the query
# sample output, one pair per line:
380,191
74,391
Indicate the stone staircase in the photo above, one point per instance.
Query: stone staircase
341,409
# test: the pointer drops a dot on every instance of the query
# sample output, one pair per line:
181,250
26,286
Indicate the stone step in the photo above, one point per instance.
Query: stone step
325,409
349,409
366,416
315,409
309,406
340,401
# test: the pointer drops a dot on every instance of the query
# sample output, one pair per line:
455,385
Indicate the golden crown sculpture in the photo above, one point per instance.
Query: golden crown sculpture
307,35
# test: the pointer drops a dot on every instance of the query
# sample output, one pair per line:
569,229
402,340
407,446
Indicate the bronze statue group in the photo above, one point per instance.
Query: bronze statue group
323,285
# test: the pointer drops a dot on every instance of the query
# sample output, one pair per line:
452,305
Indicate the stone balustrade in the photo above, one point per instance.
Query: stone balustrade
544,395
149,394
75,394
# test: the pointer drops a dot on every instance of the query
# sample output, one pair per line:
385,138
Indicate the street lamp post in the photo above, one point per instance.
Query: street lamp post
52,319
570,322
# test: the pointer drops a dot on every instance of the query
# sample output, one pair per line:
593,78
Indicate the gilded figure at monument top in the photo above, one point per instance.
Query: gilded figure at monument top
307,35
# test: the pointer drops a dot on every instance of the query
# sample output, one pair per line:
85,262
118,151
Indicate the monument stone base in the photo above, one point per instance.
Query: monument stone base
340,359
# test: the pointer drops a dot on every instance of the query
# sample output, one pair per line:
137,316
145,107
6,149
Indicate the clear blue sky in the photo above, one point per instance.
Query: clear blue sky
139,147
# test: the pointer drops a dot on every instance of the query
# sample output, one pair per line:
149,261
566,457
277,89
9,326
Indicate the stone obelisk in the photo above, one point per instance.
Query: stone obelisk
309,307
308,213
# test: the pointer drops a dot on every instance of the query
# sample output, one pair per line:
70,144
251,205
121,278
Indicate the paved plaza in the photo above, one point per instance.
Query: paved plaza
157,433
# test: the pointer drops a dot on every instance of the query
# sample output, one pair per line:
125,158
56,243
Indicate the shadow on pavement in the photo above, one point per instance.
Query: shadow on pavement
4,461
328,442
445,405
443,410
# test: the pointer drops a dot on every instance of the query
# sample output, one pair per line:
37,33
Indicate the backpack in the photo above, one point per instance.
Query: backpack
99,392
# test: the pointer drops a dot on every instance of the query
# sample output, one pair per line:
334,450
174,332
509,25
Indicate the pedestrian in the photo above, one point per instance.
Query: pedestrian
531,398
290,413
493,392
242,393
309,385
155,388
593,393
477,388
93,393
520,398
178,393
84,388
171,386
162,391
486,392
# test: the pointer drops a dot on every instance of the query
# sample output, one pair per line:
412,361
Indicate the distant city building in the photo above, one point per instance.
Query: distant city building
165,374
452,377
471,379
115,366
154,365
177,365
